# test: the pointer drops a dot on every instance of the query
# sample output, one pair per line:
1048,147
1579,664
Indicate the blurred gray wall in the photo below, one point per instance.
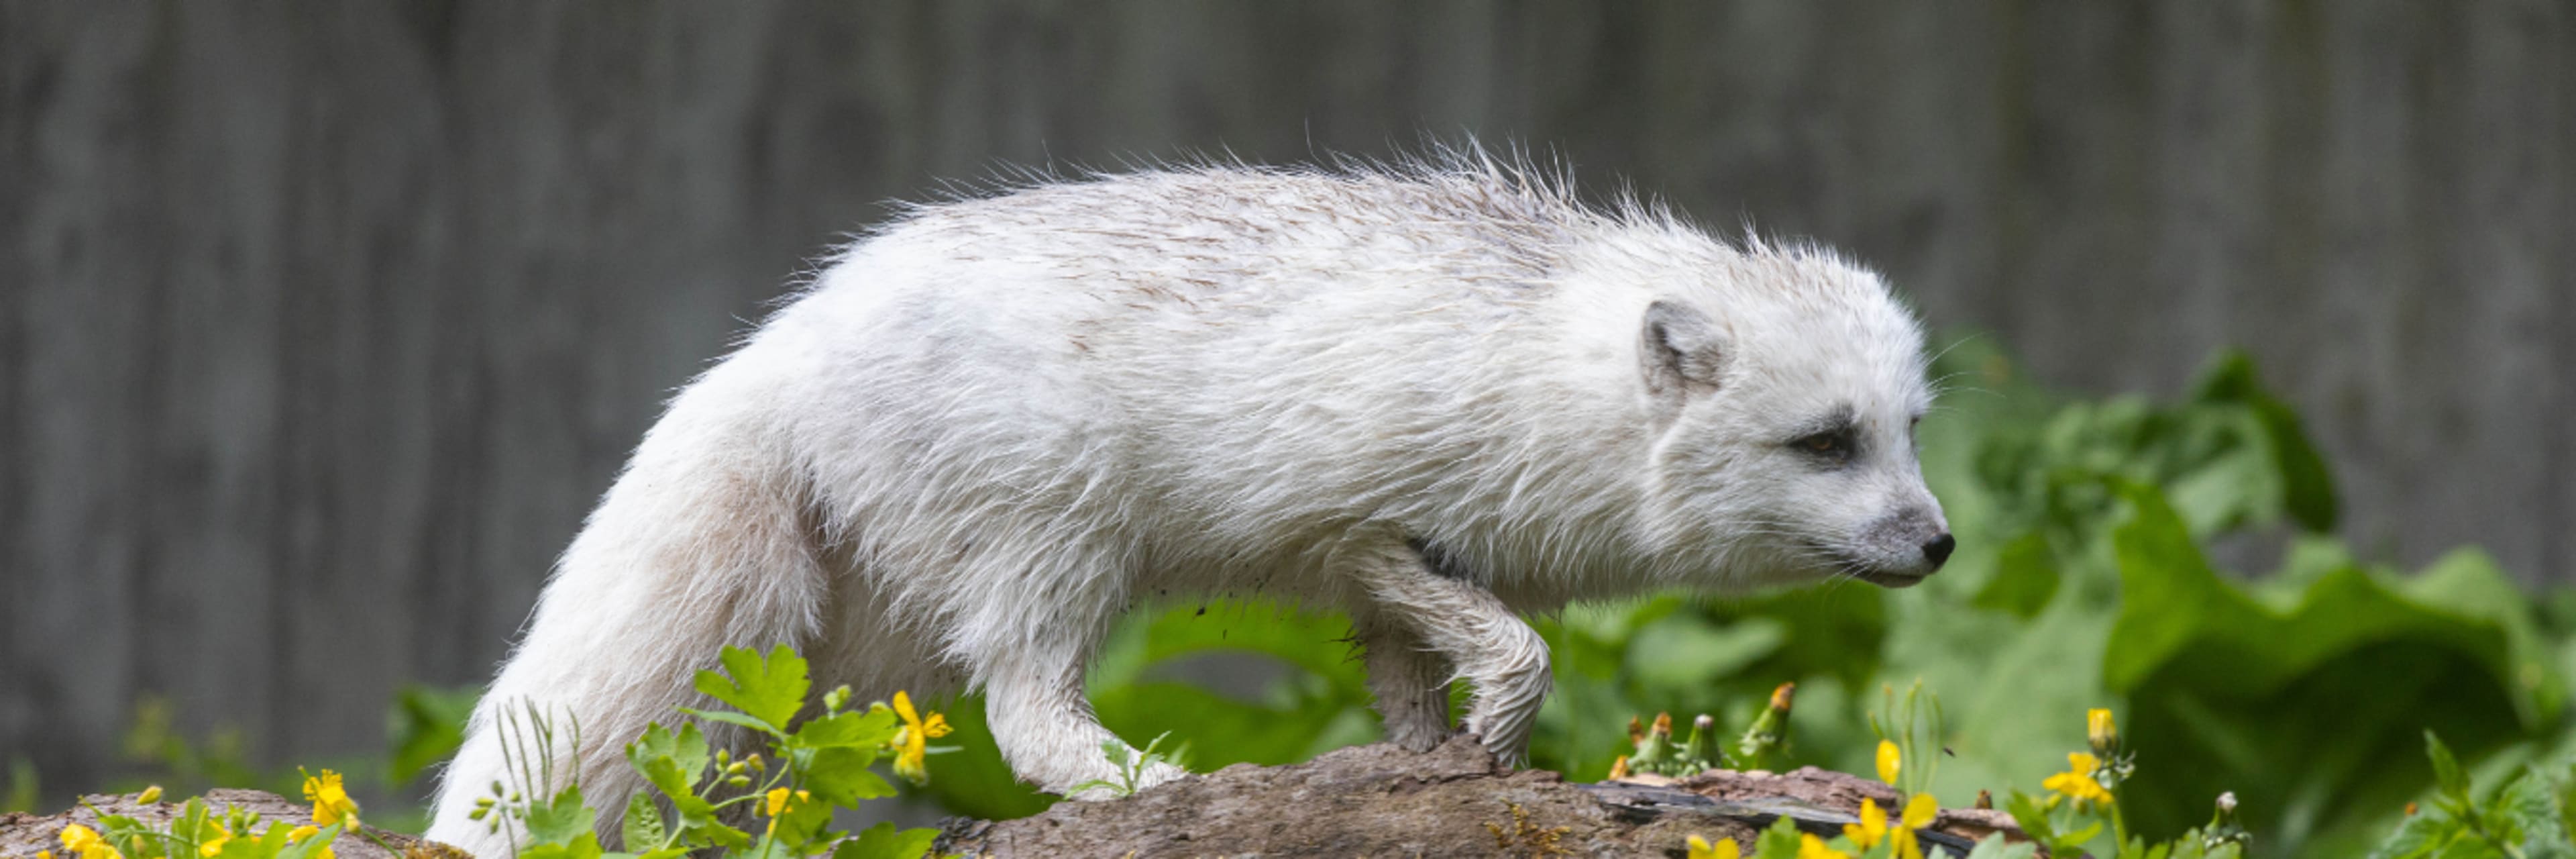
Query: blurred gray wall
321,324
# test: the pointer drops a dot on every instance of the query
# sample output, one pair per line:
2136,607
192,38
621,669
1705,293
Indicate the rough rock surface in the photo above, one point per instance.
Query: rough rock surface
1380,801
1363,801
23,835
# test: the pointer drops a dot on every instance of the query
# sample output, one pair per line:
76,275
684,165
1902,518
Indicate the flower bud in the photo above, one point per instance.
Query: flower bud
149,795
2100,731
836,699
757,765
1700,752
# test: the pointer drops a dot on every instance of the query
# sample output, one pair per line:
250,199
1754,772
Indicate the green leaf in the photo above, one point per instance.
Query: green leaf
427,725
2530,805
882,841
560,821
643,826
870,728
672,762
2024,580
839,775
770,690
1995,847
584,847
2446,770
274,842
2306,485
728,717
1686,649
1779,841
2420,836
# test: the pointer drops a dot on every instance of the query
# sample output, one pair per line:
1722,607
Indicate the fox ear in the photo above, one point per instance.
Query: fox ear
1681,350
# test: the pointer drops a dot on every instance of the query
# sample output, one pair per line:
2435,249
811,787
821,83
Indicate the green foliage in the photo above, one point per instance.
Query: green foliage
1131,763
426,726
1913,724
2527,819
196,832
810,768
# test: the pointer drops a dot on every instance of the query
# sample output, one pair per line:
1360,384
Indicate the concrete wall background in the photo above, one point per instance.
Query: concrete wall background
322,324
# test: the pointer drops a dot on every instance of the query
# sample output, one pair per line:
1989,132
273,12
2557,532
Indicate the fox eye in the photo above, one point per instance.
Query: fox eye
1833,446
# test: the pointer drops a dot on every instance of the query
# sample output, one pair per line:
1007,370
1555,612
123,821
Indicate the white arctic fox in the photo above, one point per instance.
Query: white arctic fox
1436,397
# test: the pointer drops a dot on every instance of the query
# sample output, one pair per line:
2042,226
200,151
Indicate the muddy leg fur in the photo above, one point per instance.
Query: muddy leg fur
1410,680
1500,656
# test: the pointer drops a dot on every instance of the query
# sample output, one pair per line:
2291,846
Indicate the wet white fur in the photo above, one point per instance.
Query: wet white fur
991,426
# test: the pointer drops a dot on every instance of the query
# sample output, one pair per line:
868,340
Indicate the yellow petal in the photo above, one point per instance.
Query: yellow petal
302,832
76,837
777,801
1871,828
1920,811
1888,762
1725,849
936,726
903,708
1906,848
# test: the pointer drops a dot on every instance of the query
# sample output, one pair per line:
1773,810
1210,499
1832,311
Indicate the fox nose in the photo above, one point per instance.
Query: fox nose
1938,550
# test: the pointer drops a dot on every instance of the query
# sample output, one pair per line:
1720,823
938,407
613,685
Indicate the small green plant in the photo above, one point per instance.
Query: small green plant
1765,745
196,832
1131,763
1908,729
2525,820
812,767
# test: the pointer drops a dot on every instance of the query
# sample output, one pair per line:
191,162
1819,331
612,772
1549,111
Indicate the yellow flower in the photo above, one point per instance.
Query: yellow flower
777,803
85,841
1811,847
331,802
1874,828
302,832
2099,731
2077,781
1725,849
214,846
1888,763
912,744
778,800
